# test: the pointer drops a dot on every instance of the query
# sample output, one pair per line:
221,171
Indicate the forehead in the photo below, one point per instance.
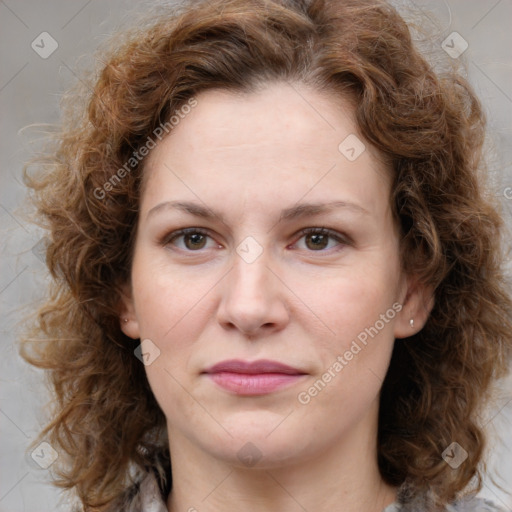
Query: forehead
246,144
279,115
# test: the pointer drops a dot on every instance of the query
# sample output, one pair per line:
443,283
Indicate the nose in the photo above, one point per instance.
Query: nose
253,299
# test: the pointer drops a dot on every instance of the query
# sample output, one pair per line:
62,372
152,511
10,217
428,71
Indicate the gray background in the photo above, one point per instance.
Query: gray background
30,88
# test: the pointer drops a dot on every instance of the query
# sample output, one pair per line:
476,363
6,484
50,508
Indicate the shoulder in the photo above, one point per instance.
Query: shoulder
475,505
468,504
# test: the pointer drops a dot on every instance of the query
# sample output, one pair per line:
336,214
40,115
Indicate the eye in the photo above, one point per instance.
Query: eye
194,239
317,239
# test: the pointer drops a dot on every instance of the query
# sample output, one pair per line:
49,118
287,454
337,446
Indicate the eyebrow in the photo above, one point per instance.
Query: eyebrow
288,214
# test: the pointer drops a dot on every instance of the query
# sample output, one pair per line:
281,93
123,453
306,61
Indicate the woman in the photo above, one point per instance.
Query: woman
278,279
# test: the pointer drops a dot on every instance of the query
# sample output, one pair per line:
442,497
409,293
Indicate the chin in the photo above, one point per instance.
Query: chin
261,440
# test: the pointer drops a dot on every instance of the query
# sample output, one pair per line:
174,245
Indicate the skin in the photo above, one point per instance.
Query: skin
248,157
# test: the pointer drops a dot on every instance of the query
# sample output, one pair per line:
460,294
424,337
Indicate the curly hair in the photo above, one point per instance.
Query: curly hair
107,425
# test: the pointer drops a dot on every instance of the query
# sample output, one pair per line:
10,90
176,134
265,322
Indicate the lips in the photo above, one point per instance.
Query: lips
255,367
253,378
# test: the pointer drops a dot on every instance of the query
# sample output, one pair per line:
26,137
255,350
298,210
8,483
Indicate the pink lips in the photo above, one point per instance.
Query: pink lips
253,378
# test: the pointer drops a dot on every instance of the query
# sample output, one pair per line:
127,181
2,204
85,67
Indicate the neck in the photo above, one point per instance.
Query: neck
344,478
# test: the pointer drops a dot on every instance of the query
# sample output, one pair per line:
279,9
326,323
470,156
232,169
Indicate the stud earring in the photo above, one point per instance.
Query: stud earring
125,320
411,322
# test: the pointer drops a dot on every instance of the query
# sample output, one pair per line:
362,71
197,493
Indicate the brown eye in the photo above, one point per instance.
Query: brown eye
193,239
196,241
318,239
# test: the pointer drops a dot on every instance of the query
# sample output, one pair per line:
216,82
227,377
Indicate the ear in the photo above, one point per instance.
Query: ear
417,303
127,317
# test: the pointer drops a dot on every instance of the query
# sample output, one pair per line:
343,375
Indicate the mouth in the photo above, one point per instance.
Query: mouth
253,378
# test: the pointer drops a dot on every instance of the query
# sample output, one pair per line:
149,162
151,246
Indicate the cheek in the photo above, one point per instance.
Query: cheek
168,309
353,300
360,309
164,301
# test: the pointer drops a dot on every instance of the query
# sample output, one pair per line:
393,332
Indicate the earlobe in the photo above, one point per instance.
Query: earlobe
127,315
418,303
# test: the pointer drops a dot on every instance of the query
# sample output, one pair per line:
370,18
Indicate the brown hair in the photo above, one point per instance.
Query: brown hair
430,126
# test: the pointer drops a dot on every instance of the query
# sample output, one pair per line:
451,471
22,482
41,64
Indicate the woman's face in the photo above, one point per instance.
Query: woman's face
250,286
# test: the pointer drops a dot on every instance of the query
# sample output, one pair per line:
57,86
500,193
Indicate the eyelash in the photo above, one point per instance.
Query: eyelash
341,238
